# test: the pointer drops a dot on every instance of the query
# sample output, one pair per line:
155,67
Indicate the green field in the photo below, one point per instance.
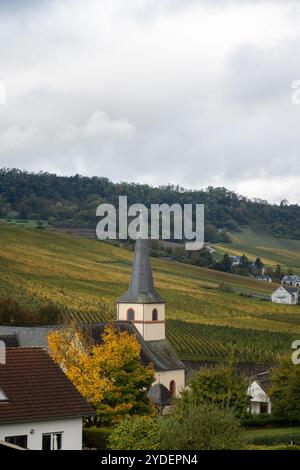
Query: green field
258,241
85,277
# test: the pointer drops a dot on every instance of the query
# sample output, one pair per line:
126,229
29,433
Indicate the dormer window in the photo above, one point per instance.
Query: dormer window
3,396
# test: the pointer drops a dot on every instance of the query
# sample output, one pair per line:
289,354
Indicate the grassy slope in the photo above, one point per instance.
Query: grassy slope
86,277
257,241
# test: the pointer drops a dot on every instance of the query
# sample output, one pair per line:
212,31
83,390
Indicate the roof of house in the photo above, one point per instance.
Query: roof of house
160,395
291,290
158,352
264,381
141,288
37,388
26,336
290,277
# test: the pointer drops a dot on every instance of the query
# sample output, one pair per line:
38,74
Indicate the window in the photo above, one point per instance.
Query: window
263,408
130,314
154,314
173,388
20,441
3,396
52,441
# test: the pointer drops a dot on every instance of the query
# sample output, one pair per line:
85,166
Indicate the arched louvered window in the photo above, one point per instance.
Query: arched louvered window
130,314
154,314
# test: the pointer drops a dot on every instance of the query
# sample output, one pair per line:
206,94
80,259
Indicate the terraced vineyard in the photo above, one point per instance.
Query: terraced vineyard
85,277
216,342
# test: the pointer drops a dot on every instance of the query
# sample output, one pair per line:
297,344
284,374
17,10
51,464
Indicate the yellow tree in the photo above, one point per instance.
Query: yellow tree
109,375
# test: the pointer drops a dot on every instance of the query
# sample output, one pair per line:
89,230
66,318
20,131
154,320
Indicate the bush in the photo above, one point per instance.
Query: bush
97,438
136,433
202,427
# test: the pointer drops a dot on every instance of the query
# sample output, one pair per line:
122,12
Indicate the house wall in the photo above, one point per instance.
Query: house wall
258,396
71,429
150,330
165,378
281,296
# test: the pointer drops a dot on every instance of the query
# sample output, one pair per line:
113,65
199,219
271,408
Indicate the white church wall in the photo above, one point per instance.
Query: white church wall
149,329
165,378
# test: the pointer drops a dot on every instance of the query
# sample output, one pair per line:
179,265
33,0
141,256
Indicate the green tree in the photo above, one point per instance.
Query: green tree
221,386
259,264
200,427
285,390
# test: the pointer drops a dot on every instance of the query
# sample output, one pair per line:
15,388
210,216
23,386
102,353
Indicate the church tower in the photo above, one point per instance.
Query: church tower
141,304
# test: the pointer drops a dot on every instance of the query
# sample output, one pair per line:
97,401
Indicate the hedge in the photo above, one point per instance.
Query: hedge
96,438
267,420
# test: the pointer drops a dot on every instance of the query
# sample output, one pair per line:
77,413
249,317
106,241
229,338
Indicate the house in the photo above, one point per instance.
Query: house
140,312
235,260
285,295
258,390
291,281
264,278
40,409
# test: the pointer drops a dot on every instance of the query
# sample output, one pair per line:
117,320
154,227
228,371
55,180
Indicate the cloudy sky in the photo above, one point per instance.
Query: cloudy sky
190,92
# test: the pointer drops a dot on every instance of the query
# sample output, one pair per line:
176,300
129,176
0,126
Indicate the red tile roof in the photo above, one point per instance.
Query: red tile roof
37,388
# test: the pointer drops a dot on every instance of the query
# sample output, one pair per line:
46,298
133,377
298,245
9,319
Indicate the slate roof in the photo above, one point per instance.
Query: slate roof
160,395
37,389
141,288
26,336
158,352
291,290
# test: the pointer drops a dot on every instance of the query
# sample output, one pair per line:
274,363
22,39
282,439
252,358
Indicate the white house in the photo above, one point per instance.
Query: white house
291,281
260,402
285,295
264,278
40,409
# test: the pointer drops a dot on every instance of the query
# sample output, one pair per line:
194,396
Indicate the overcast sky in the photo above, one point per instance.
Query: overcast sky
189,92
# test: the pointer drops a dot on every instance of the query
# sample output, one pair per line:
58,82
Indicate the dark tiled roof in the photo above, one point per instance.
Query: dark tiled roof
160,395
291,290
28,336
141,288
159,353
37,388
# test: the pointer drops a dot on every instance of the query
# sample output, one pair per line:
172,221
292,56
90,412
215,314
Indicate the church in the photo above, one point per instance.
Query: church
140,312
145,309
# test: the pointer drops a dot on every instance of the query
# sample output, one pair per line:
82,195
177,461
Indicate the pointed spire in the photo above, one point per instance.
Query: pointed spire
141,289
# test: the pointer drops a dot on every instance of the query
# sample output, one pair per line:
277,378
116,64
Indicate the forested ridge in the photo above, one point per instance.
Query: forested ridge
72,200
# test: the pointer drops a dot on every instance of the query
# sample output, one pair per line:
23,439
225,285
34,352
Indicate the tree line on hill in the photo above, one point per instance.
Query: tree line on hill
72,201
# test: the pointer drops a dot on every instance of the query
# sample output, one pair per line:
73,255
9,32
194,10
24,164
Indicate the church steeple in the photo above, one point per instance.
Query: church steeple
142,304
141,288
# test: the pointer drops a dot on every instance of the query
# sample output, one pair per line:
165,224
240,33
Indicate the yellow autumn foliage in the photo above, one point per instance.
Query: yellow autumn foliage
109,375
